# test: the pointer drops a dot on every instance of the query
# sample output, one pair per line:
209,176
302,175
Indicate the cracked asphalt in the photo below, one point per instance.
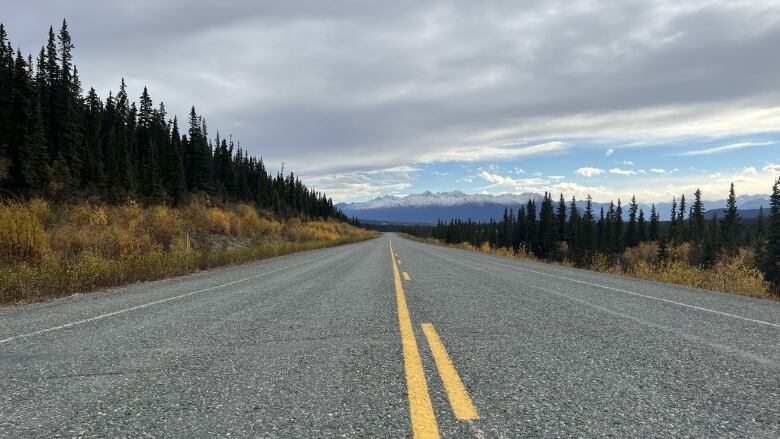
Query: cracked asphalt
308,345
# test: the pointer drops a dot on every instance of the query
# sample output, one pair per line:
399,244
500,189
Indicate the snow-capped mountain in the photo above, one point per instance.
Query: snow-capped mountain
429,207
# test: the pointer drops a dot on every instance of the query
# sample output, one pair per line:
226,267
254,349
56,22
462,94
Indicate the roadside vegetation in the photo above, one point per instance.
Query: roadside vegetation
96,193
51,250
723,255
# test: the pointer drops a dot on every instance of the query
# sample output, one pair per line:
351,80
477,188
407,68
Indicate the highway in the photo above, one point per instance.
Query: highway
392,338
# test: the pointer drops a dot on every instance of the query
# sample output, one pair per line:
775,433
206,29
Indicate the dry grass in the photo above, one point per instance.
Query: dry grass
49,251
735,274
729,275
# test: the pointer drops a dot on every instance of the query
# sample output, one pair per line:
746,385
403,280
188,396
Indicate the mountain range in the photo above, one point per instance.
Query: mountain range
429,207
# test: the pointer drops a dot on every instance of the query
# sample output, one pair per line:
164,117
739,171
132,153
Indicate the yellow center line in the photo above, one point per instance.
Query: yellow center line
406,276
420,407
459,398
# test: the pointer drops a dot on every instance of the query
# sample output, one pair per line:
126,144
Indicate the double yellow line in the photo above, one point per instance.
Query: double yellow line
420,407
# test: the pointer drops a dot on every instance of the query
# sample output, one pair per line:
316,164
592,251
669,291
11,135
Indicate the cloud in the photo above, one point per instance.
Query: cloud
750,170
291,81
772,167
499,180
619,171
365,184
589,171
724,148
628,162
659,171
609,152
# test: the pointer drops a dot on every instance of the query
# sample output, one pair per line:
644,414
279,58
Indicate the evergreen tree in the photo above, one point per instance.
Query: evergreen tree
759,239
28,170
654,229
92,159
146,149
548,229
531,231
771,264
588,233
673,223
601,232
6,96
696,218
632,230
730,225
67,118
680,227
712,241
574,233
561,217
642,226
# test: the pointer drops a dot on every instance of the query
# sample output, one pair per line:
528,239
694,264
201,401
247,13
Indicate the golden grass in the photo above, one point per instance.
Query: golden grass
50,251
729,275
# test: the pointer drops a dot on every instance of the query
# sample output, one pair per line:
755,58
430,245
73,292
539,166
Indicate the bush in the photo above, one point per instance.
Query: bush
22,237
82,247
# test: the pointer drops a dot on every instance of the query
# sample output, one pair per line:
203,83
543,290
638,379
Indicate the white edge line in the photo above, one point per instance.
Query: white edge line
156,302
639,295
642,295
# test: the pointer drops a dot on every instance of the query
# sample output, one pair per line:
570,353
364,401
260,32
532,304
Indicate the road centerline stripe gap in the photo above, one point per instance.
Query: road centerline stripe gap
459,397
420,407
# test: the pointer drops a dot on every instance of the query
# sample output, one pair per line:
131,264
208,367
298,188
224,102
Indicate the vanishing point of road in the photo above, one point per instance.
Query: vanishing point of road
392,338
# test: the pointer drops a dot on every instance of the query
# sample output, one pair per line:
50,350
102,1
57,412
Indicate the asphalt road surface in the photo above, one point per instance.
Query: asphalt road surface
365,341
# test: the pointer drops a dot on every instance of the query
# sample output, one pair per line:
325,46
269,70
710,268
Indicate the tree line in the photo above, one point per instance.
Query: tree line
558,230
58,143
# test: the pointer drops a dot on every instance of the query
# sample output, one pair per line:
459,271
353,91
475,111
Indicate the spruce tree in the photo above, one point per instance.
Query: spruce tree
601,232
6,88
696,218
632,229
28,170
759,239
574,233
68,119
548,228
772,255
588,232
92,159
673,222
680,228
561,217
654,229
712,241
642,226
730,225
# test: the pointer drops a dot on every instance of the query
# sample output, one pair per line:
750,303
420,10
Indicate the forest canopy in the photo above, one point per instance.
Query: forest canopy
59,143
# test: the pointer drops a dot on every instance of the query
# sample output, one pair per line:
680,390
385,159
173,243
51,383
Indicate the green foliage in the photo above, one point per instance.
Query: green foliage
58,144
606,244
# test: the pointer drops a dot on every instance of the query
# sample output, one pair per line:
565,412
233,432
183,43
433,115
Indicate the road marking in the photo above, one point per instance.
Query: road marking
459,397
420,407
145,305
619,290
406,276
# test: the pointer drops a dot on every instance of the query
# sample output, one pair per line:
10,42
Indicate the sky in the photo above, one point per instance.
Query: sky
369,98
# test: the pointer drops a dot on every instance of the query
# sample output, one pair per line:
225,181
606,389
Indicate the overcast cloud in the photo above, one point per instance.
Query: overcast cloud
342,91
